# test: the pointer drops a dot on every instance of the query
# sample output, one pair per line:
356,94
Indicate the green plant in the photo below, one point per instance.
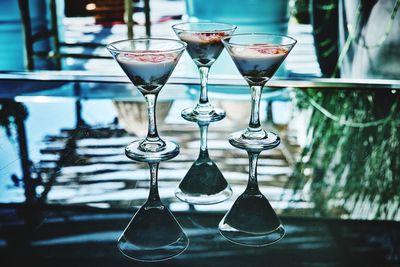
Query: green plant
352,155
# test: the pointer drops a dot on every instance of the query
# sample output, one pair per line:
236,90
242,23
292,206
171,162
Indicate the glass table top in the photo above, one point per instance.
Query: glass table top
74,190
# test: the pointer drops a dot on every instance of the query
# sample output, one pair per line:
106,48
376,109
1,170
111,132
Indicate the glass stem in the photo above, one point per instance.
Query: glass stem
154,197
252,184
203,83
254,124
203,140
152,134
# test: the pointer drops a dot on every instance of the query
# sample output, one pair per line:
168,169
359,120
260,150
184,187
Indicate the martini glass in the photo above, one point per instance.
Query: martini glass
148,63
204,183
153,234
204,46
251,220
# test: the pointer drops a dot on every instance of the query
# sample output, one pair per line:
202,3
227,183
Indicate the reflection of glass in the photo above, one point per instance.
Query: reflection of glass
148,62
251,220
204,182
204,46
153,234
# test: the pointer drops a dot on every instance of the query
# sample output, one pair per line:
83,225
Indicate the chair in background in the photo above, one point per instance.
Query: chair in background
55,53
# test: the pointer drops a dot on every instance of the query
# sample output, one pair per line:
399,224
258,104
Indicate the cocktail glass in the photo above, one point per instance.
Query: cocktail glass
148,63
204,46
251,220
153,234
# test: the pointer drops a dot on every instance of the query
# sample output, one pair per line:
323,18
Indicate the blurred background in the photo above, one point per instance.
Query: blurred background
71,34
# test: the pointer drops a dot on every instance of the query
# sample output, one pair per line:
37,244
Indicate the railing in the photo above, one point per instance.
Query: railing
318,83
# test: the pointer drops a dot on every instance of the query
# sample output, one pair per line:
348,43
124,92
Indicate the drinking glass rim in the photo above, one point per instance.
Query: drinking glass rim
231,26
111,46
224,39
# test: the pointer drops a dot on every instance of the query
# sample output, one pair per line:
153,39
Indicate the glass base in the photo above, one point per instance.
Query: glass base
203,184
252,221
209,115
204,199
136,151
266,141
250,239
153,234
153,254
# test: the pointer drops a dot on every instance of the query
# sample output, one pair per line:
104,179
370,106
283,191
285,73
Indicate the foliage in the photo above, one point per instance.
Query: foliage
300,11
352,158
